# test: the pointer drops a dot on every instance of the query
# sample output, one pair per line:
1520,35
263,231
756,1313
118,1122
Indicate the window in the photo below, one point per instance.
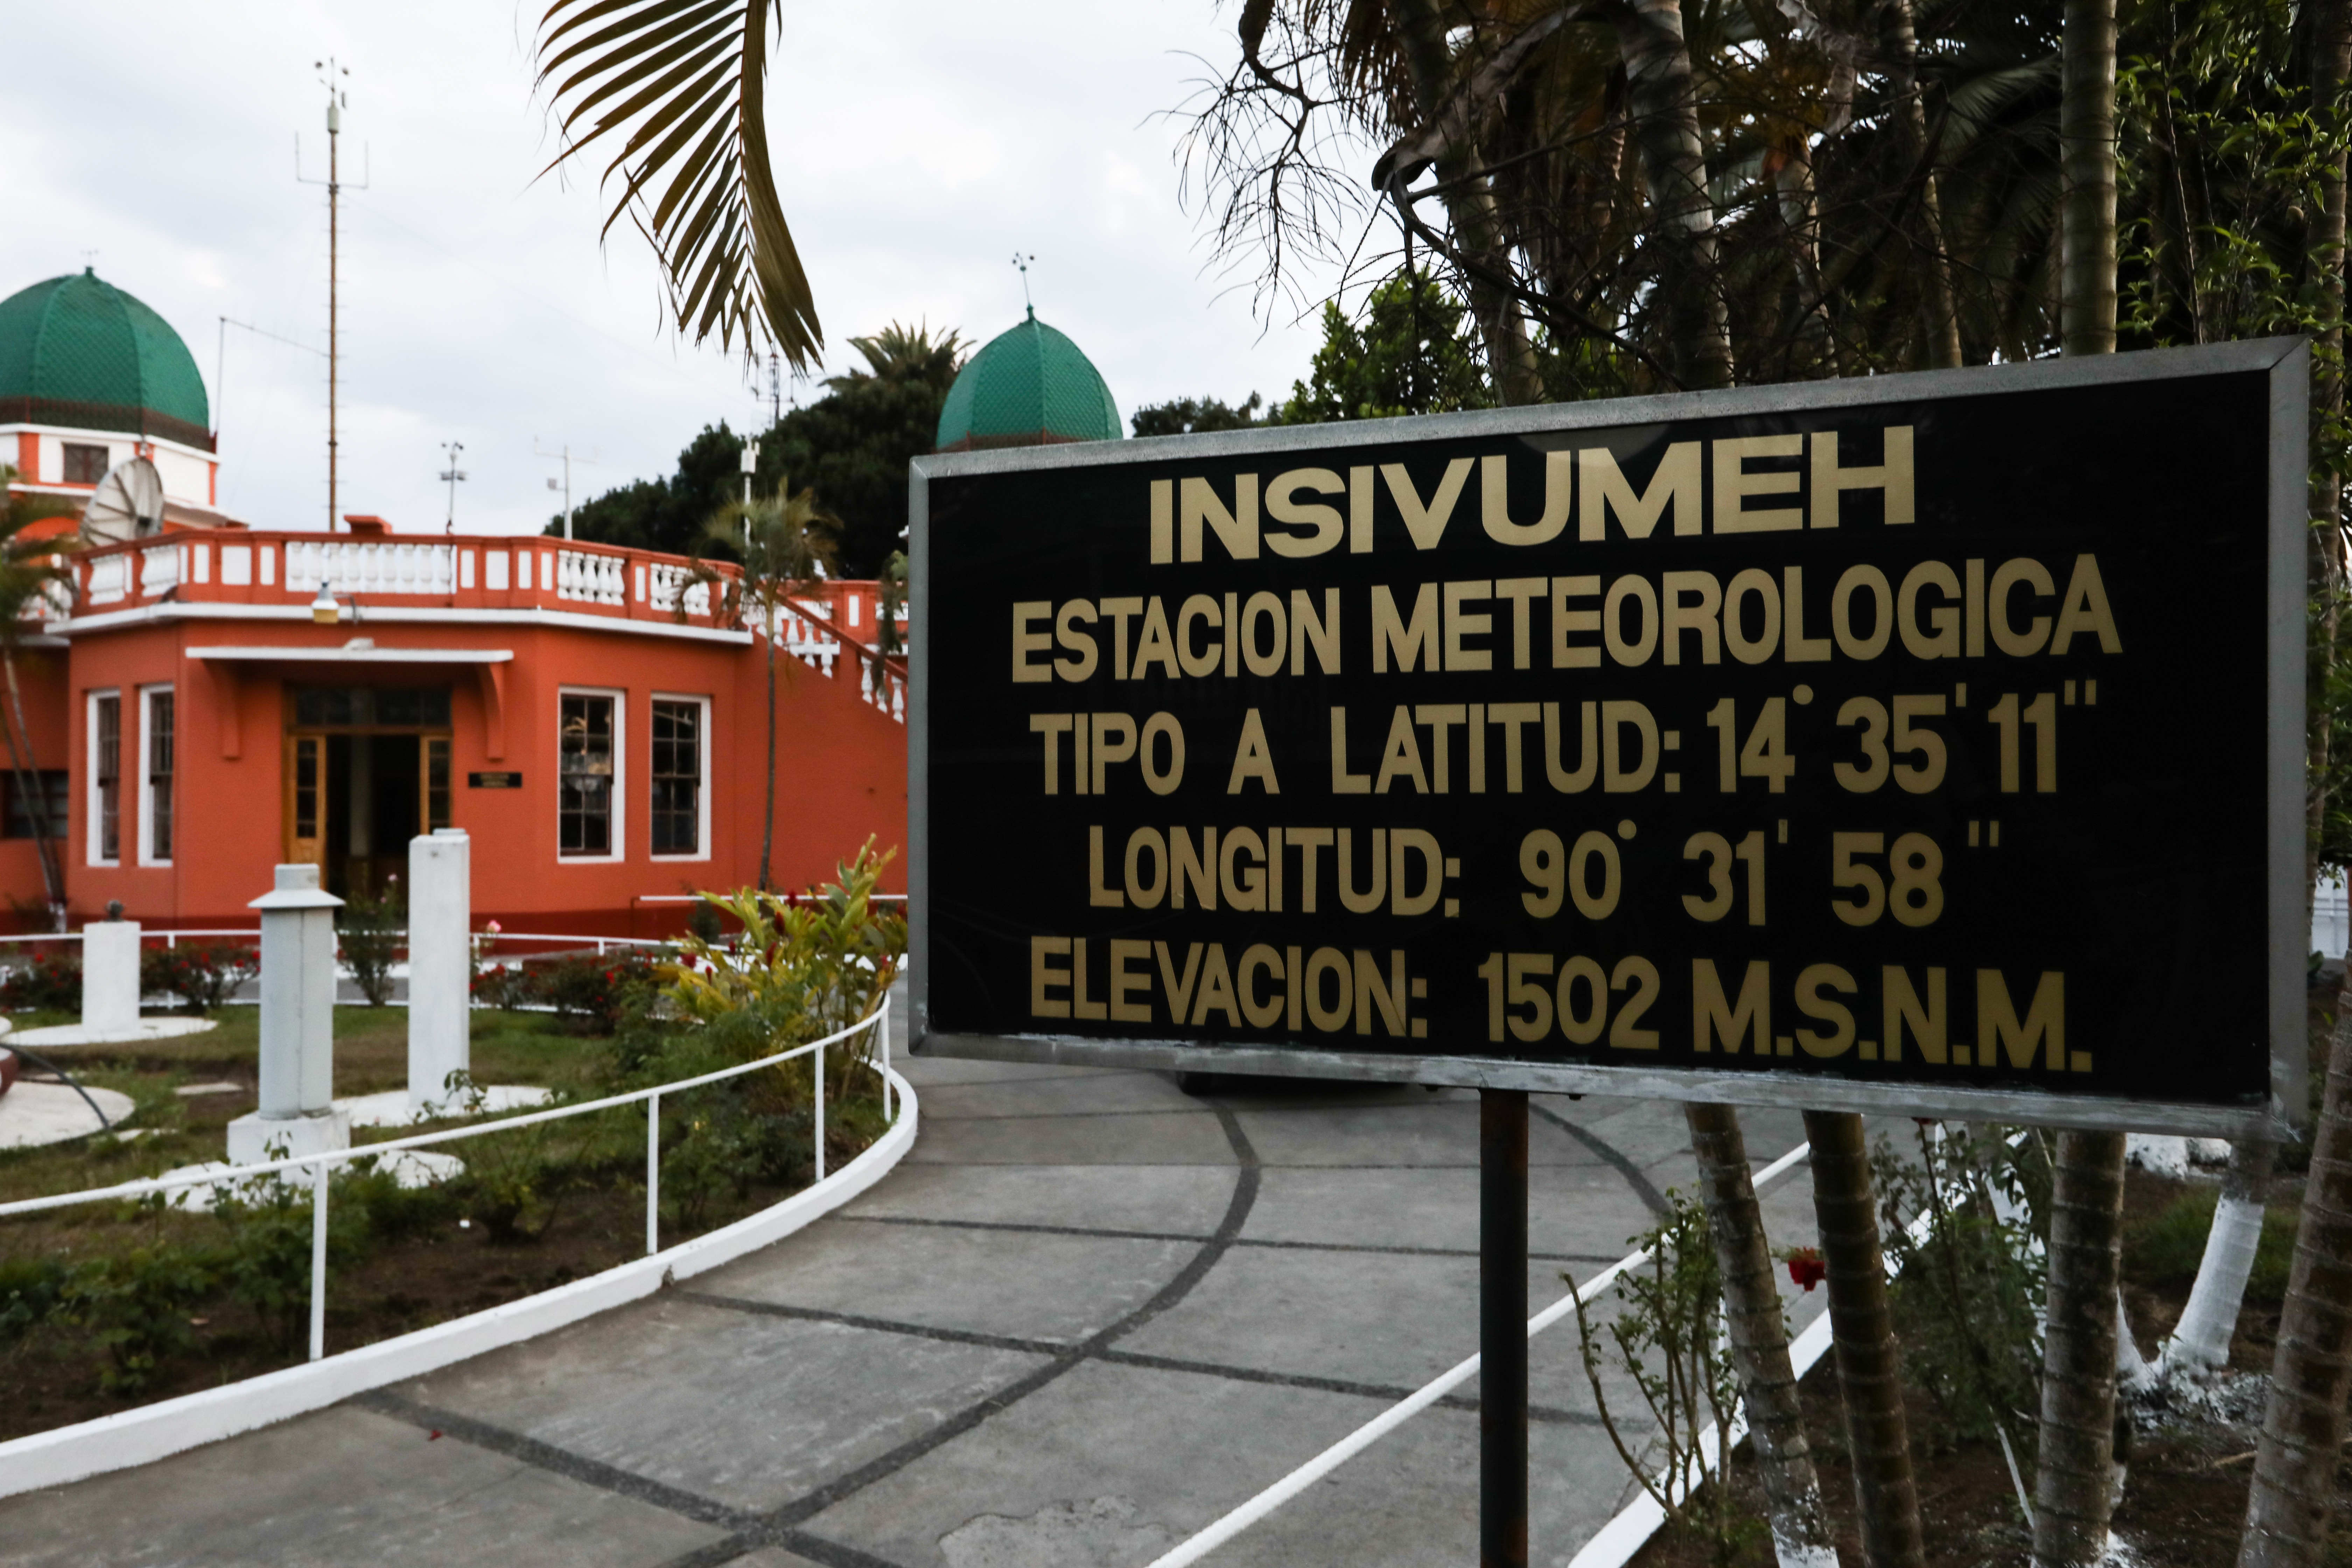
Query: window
155,783
586,801
84,465
680,732
51,792
437,782
371,707
106,778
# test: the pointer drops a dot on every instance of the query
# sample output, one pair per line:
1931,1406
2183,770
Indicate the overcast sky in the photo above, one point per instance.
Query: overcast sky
918,145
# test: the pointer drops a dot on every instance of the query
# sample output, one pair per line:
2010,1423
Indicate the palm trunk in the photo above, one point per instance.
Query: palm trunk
2302,1436
1869,1360
2200,1341
1470,204
1666,118
2073,1488
2075,1484
36,800
1759,1340
1939,316
2331,61
2087,154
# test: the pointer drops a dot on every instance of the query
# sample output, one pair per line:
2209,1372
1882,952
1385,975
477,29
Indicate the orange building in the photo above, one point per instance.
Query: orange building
199,719
211,700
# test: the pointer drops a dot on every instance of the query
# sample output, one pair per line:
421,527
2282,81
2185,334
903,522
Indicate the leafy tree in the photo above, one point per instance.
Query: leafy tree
853,445
1194,415
1407,357
669,514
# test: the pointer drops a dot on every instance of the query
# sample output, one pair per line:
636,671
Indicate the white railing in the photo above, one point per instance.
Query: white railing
319,1164
110,579
351,567
596,579
804,639
159,569
669,581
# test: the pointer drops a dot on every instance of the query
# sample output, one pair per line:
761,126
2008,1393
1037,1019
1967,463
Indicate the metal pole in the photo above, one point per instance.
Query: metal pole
1502,1327
319,1261
652,1175
889,1112
817,1058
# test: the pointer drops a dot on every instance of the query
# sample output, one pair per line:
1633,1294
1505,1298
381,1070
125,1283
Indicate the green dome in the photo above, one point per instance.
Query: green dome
78,352
1028,387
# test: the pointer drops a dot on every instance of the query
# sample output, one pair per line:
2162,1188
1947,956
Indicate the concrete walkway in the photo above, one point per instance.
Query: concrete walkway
1088,1316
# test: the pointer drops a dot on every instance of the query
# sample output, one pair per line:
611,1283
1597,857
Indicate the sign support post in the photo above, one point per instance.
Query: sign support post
1502,1327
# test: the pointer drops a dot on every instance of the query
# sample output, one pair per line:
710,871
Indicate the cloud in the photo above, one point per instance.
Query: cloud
917,144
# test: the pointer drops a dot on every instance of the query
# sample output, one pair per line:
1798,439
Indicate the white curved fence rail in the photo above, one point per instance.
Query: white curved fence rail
317,1166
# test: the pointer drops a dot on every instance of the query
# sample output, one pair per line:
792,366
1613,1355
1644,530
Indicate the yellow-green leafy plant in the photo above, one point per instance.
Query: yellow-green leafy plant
802,967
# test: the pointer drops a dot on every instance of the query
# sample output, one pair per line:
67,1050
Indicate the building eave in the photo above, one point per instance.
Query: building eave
150,614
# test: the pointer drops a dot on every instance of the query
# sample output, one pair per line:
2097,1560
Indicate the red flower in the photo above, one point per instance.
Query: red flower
1806,1267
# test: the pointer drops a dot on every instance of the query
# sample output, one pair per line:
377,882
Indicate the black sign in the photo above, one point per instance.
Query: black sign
1927,742
494,780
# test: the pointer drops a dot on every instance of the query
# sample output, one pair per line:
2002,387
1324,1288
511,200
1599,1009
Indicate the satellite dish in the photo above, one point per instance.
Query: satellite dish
128,504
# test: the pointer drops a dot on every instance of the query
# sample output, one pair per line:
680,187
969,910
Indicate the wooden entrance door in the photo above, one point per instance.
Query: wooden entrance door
306,800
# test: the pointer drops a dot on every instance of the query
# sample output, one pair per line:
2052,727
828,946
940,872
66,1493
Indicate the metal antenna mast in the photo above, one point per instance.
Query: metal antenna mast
450,476
566,454
338,99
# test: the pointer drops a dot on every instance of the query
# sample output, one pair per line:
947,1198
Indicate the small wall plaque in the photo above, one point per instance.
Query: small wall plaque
494,780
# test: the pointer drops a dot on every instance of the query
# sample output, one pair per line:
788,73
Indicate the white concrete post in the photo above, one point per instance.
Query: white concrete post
440,930
297,1024
109,975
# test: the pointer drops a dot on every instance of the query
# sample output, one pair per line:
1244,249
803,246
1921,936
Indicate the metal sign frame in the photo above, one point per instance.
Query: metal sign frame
2286,362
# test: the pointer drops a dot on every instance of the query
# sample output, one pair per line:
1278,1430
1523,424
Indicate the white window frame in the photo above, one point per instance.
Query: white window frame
93,835
147,695
619,697
702,795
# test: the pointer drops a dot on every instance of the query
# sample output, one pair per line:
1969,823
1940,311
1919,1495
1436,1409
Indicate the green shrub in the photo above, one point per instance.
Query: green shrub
30,1289
1968,1298
589,992
368,929
201,975
134,1305
48,980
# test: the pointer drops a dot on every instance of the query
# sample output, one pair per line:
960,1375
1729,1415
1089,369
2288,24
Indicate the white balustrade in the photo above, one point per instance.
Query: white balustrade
159,569
110,579
595,579
669,581
370,568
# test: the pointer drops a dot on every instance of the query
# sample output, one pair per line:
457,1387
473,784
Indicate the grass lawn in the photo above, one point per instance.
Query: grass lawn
371,1055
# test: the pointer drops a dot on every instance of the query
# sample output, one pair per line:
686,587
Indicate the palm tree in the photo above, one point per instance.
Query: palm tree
29,577
2074,1489
905,353
683,88
784,544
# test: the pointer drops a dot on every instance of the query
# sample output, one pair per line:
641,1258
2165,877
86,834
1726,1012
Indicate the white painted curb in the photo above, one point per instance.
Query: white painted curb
152,1432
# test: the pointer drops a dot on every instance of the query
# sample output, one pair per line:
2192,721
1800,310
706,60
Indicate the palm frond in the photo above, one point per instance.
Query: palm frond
681,84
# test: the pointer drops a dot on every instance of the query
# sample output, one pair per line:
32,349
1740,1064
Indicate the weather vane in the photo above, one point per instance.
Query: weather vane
1022,262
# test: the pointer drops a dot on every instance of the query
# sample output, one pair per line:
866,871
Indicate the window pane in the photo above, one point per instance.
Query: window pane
84,465
678,778
584,776
52,794
437,782
371,707
159,718
109,778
